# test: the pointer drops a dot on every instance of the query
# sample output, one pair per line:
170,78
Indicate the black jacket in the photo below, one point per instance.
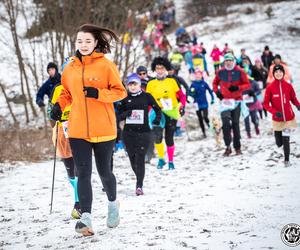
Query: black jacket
133,107
267,60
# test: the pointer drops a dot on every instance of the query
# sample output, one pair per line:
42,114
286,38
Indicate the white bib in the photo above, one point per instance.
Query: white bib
228,104
248,99
65,128
137,117
286,132
166,103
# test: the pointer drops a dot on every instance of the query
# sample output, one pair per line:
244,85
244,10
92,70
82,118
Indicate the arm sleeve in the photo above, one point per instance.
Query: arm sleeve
245,84
41,93
181,96
210,91
65,97
154,105
267,101
184,84
121,110
115,90
294,99
216,83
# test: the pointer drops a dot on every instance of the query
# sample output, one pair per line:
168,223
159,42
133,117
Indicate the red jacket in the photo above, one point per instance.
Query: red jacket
226,78
278,96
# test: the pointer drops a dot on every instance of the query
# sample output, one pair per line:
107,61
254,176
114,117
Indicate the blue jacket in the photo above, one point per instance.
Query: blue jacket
198,92
47,88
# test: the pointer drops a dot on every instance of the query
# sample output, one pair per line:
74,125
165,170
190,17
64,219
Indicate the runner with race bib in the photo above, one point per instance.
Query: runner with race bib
172,100
136,135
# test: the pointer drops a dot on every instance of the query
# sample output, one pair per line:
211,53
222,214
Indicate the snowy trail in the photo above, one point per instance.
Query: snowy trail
208,202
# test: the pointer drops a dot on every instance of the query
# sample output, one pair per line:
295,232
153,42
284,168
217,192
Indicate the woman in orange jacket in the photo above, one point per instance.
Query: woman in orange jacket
92,84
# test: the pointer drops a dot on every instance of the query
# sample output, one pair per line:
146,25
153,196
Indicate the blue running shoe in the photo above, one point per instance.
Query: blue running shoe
84,225
171,165
161,163
113,217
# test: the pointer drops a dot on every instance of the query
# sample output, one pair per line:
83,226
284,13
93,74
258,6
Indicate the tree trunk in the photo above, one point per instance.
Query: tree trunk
8,104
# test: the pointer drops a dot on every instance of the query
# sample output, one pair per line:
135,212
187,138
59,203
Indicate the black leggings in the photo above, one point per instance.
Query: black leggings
170,128
136,145
285,141
82,154
70,167
203,115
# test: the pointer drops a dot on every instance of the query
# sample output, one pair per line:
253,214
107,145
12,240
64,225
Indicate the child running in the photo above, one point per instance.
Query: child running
136,135
198,92
278,98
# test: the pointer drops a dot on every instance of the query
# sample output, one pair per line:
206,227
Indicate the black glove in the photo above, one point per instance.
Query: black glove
40,103
219,95
56,112
278,114
251,92
125,114
233,88
182,111
156,121
90,92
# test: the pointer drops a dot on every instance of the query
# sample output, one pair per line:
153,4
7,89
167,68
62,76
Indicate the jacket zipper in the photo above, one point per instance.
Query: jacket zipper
281,99
86,109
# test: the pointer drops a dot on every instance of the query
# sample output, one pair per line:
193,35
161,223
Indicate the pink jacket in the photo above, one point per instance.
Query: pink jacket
215,55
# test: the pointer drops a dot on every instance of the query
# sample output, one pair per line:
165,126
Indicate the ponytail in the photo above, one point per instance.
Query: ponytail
102,35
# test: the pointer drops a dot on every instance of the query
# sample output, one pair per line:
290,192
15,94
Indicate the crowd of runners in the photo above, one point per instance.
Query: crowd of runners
94,113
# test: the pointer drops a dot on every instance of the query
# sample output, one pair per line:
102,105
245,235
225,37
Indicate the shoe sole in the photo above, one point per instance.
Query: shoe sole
114,225
85,231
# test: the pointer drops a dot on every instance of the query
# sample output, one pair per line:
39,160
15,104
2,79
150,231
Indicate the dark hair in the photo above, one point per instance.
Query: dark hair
160,61
102,35
278,67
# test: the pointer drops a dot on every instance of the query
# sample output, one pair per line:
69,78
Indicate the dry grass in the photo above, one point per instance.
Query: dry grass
29,144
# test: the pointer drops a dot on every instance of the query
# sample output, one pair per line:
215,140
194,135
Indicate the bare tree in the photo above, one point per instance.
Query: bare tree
8,104
12,10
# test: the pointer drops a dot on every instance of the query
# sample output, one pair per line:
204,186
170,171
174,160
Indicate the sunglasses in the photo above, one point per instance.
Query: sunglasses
142,73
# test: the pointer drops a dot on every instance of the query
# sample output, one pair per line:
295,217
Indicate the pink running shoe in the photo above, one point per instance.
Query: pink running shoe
139,191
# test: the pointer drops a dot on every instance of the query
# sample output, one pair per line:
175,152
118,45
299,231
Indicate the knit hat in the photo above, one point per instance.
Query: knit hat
278,67
52,65
141,69
257,59
160,61
228,57
277,56
133,78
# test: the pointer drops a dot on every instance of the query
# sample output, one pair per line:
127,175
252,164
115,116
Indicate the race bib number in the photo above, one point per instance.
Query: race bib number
260,84
286,132
248,99
228,104
137,117
65,128
166,103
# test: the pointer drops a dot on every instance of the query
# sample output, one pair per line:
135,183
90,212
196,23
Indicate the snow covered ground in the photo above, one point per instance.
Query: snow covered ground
208,202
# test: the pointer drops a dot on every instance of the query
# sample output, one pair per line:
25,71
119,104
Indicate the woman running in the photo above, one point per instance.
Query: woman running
166,92
92,84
